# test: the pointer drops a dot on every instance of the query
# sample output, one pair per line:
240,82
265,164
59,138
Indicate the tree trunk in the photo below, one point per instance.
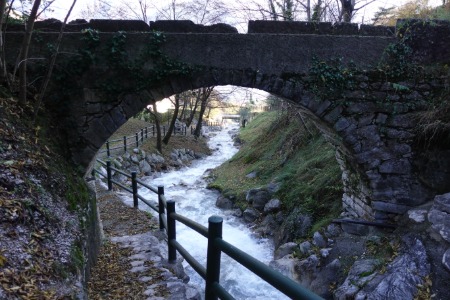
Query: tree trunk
205,96
173,121
347,10
194,110
2,17
24,52
52,63
183,110
158,127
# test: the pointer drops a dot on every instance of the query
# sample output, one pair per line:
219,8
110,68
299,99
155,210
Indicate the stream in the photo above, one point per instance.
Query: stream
187,188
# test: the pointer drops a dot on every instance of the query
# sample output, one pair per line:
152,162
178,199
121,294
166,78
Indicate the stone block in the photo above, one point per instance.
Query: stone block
442,202
187,26
390,207
371,30
395,166
289,27
332,116
118,25
343,28
446,260
342,124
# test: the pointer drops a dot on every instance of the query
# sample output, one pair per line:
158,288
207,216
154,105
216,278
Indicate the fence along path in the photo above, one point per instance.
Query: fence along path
216,245
138,138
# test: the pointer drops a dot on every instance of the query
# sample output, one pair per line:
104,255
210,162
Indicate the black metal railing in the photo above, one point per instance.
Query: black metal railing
216,245
137,139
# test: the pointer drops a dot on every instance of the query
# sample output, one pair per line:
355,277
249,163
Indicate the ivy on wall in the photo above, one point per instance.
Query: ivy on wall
117,71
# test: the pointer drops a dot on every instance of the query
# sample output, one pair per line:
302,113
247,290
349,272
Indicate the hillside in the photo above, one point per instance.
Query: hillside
41,200
278,148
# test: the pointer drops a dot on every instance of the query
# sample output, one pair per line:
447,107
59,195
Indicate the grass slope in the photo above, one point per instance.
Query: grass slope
278,148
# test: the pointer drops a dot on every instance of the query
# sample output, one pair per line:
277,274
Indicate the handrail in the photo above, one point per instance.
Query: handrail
216,245
277,280
191,224
201,270
151,188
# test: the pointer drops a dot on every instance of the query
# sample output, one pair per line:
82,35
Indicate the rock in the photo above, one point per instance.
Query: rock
174,155
295,225
306,270
237,213
356,229
136,150
442,203
417,215
285,266
279,217
134,159
199,155
285,249
250,214
402,276
318,240
258,198
145,167
224,202
253,174
446,259
305,247
273,187
439,217
116,164
324,278
360,273
325,252
333,230
268,226
272,206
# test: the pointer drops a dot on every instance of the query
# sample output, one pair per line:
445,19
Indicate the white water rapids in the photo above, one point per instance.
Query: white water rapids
188,189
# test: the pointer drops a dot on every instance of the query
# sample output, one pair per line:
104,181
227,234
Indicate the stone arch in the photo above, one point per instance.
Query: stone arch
373,148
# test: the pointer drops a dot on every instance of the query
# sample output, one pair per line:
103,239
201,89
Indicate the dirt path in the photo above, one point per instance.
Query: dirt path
114,276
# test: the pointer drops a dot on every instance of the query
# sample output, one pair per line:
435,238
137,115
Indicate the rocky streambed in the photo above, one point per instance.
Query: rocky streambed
340,261
355,261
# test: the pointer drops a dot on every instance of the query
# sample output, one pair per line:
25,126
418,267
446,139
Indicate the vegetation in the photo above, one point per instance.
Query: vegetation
279,148
414,9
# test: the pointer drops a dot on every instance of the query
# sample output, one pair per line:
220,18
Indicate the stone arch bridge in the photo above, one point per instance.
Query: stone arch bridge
370,121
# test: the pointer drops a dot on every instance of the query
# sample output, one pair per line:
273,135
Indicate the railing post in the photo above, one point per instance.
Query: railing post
164,130
153,130
185,130
125,143
108,152
135,190
171,231
137,139
108,175
213,256
146,132
142,135
161,207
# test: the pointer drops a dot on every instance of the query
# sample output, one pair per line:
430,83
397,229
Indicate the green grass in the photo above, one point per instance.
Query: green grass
279,149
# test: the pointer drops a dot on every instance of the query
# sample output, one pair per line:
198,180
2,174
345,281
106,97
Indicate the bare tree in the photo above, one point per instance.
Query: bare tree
205,93
52,62
154,112
2,18
23,85
171,128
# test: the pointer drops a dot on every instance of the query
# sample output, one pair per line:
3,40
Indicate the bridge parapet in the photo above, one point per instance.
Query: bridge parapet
294,27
